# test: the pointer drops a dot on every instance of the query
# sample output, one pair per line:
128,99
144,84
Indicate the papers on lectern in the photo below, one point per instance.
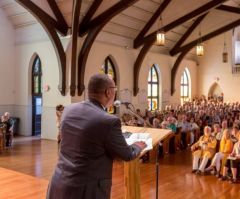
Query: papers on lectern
137,137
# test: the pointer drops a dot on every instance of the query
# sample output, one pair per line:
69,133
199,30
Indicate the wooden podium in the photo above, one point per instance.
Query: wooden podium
132,168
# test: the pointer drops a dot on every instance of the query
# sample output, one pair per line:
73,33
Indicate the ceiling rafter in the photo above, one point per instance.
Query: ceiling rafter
75,28
152,20
209,36
94,27
229,9
175,68
197,12
138,64
63,26
50,26
106,15
89,15
187,33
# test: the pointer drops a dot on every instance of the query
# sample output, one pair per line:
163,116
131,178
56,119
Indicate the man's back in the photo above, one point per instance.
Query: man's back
91,138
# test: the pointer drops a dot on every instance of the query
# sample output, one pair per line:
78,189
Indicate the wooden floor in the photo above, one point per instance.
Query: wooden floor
27,167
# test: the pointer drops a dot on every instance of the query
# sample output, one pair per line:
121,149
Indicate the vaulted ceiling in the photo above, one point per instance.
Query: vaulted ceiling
134,23
128,24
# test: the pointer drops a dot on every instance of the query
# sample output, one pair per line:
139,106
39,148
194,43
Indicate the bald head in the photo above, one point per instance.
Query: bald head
98,84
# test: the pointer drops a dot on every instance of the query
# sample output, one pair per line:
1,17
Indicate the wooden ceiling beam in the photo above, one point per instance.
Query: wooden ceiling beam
187,33
153,19
197,12
75,28
95,5
175,68
93,28
62,25
138,64
208,36
49,25
106,15
229,9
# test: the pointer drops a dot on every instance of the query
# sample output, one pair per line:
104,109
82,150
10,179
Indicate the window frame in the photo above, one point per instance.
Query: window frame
151,83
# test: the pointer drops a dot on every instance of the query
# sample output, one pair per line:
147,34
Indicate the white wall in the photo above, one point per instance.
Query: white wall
25,54
125,58
212,69
7,64
124,61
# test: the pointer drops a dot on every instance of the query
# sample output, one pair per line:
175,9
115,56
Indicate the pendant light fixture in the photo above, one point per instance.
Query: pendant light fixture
199,47
160,37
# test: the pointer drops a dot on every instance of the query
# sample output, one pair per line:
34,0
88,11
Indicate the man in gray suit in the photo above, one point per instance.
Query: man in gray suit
91,139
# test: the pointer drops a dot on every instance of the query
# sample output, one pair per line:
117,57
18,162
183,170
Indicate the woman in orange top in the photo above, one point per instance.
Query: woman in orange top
226,146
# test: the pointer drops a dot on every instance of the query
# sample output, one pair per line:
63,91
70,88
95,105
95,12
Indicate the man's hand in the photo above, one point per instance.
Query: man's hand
141,144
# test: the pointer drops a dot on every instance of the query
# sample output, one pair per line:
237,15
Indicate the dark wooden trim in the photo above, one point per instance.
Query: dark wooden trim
199,11
175,68
61,22
229,9
209,36
83,55
75,28
94,27
106,15
138,64
187,33
88,16
46,22
155,16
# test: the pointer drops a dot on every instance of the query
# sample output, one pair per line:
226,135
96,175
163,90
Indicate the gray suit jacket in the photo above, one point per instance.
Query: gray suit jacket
91,139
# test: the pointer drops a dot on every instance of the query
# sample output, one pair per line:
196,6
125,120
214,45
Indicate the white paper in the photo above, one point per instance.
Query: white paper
138,137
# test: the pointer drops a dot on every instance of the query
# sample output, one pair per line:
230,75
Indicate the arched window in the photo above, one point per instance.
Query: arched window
109,69
153,89
185,86
36,77
36,96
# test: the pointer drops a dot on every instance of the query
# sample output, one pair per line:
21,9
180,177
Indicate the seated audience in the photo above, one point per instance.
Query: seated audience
9,128
233,162
226,146
203,149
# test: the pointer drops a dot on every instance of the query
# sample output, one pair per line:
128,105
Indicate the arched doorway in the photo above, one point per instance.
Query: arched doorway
36,96
215,92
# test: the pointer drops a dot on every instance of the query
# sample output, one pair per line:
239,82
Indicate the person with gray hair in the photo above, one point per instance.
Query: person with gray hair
204,149
91,140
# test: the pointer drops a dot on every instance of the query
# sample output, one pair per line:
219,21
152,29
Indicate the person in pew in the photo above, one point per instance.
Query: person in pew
91,139
5,119
59,111
234,133
194,135
226,146
203,149
216,131
232,162
224,126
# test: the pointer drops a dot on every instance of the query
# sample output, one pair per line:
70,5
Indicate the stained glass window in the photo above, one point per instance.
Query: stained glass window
36,77
184,91
153,89
108,68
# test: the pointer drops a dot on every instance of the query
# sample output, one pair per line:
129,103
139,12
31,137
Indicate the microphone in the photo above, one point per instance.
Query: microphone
117,103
